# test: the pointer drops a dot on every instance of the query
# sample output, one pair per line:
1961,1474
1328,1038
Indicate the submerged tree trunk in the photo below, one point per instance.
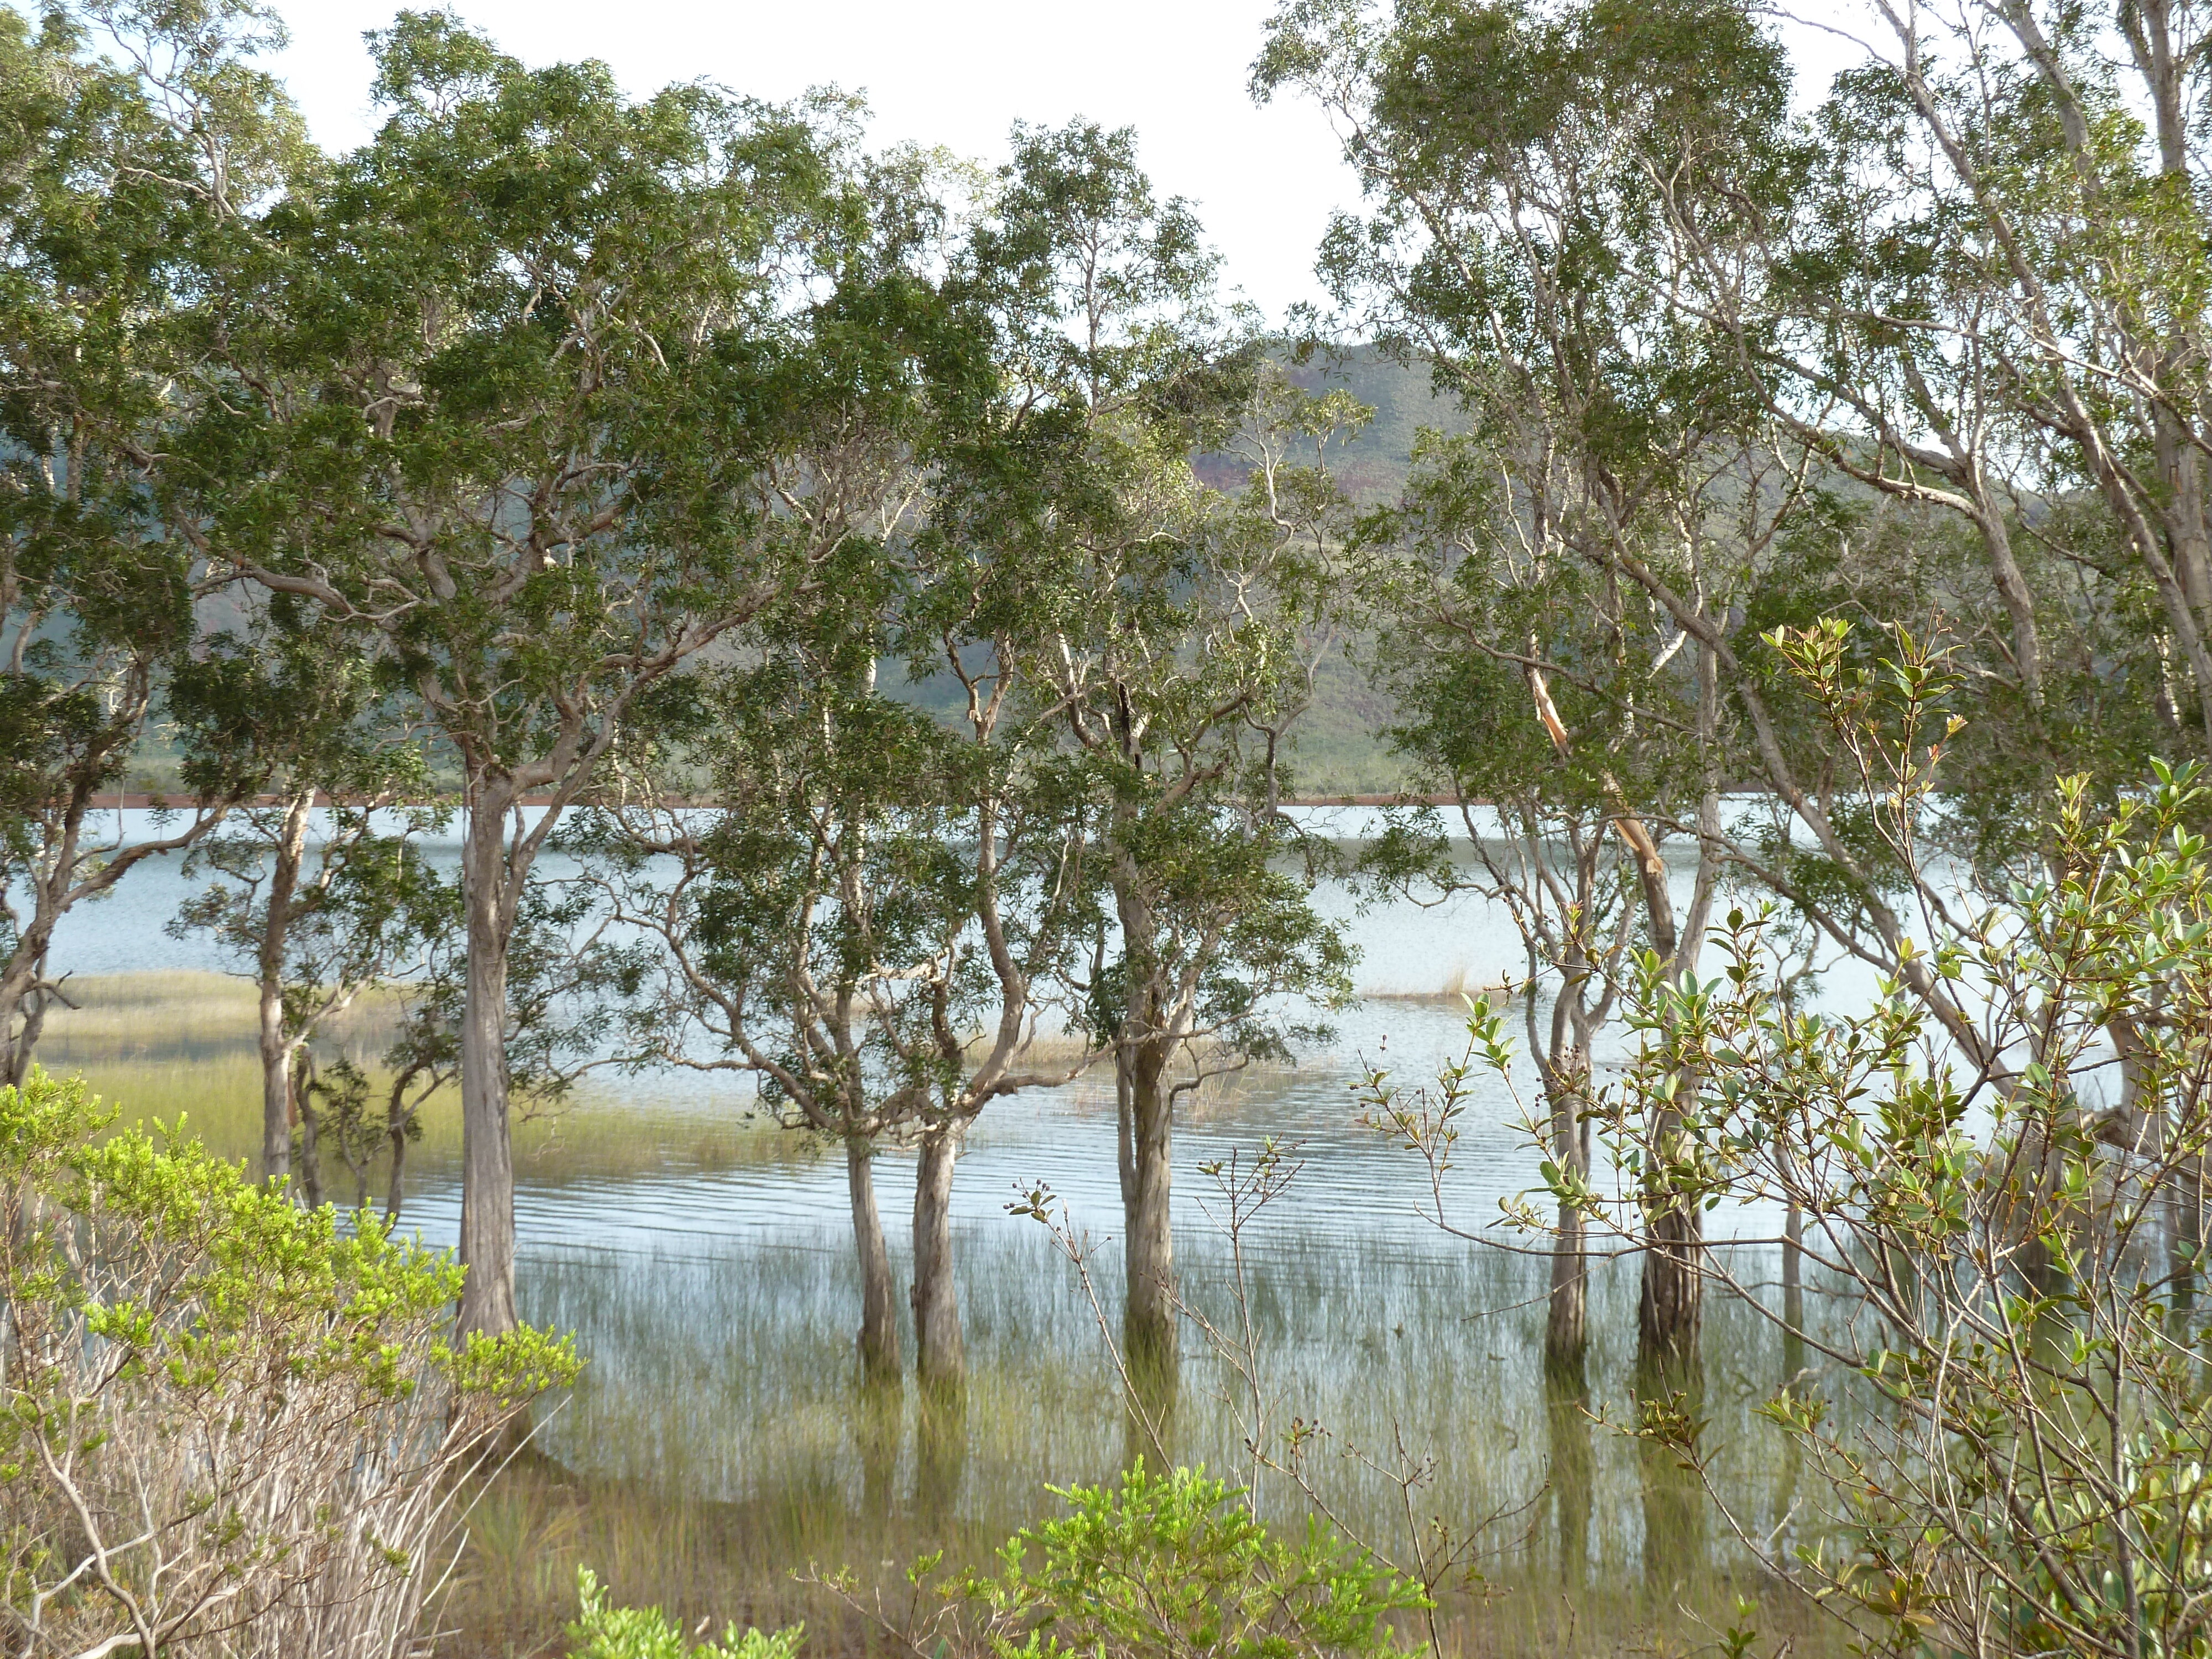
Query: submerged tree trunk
1793,1294
880,1340
276,1101
1149,1335
1567,1420
487,1151
1670,1306
1566,1332
940,1359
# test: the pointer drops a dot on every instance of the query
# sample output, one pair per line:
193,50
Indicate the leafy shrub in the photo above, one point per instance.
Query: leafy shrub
1167,1567
604,1632
227,1425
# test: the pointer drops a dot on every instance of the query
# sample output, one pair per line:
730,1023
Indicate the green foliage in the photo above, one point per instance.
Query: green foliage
600,1631
154,1291
2014,1451
121,195
1174,1565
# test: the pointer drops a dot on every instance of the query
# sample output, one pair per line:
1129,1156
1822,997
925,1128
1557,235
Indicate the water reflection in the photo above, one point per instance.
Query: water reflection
717,1301
1567,1422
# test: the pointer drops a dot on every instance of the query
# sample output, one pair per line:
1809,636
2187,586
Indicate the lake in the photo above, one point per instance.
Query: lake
716,1298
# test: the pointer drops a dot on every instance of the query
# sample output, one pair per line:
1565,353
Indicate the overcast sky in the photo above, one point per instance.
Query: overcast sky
952,72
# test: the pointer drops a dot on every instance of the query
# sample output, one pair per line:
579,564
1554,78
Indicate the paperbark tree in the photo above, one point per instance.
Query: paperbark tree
507,396
871,920
319,888
1176,652
124,184
1597,536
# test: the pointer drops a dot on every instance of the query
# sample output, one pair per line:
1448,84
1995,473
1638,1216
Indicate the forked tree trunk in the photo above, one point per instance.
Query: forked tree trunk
879,1342
311,1151
487,1151
940,1359
277,1110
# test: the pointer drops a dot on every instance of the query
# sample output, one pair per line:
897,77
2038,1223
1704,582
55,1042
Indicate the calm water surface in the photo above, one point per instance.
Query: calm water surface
717,1304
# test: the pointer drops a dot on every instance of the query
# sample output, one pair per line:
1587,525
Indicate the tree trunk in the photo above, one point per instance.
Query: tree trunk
2185,1230
1149,1335
22,999
1566,1333
311,1151
1670,1307
396,1132
487,1152
879,1342
276,1103
1793,1295
940,1359
64,876
22,1016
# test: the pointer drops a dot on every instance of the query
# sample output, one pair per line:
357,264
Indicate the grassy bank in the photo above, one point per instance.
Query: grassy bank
172,1047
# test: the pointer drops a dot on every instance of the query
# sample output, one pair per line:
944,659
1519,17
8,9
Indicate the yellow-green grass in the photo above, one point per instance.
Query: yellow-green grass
166,1047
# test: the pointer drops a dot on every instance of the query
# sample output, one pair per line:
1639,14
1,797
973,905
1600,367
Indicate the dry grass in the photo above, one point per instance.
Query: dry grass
177,1048
1455,990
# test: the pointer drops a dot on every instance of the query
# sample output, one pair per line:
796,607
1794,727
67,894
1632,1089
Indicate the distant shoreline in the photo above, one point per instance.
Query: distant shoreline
128,800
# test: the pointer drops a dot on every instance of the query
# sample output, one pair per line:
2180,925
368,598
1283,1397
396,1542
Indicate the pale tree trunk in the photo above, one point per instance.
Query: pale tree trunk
1148,1321
940,1359
880,1340
1567,1330
276,1102
22,996
486,1151
2165,73
1670,1303
1793,1294
1670,1307
1145,1106
1564,1063
23,1015
311,1156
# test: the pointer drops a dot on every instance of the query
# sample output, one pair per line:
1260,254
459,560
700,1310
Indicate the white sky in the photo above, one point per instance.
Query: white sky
954,72
951,72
